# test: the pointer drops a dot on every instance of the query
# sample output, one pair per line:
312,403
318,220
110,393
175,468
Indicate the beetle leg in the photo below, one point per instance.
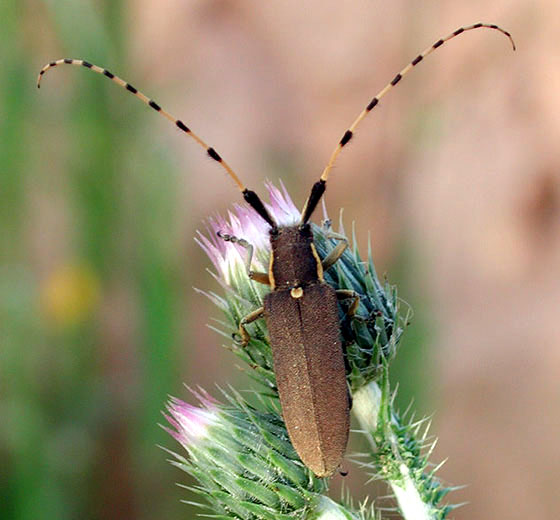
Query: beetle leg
345,294
253,275
252,316
337,252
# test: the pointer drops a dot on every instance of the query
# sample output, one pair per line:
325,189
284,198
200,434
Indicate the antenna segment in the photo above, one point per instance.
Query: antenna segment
151,103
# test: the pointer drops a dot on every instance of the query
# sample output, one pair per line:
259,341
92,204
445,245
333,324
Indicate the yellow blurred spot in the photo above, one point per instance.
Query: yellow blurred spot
70,295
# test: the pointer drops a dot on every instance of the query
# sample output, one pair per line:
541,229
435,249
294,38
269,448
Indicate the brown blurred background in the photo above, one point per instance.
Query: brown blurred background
456,176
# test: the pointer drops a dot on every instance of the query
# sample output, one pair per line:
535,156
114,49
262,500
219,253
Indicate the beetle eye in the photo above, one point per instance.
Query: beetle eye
305,229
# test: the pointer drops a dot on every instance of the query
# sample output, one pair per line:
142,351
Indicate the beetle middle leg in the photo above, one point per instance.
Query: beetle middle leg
251,317
253,275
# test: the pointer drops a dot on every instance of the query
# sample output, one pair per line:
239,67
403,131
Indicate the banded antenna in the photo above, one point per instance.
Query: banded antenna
250,196
319,187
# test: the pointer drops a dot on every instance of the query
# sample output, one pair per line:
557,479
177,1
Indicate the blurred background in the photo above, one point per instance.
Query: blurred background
455,175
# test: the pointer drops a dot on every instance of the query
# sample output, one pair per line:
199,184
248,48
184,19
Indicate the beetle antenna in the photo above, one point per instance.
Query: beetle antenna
250,196
350,132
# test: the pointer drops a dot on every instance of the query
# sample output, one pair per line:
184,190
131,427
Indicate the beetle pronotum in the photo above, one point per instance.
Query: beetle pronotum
301,308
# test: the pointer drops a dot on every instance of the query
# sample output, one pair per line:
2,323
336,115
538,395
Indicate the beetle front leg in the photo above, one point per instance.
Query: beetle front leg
346,294
253,275
252,316
337,252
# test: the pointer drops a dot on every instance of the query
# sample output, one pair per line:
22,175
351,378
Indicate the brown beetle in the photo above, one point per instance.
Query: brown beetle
301,309
302,318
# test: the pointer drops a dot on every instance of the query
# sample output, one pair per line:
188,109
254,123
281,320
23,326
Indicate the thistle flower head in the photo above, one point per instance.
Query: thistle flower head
369,336
242,459
190,423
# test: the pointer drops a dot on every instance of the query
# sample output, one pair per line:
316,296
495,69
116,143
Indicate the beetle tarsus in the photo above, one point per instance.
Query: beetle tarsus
253,275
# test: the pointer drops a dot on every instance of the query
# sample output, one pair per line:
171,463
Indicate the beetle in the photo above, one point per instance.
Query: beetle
301,308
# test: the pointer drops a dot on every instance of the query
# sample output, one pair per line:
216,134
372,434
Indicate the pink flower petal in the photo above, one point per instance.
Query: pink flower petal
244,223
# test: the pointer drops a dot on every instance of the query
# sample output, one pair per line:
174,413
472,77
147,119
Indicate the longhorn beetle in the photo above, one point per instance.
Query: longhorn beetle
301,308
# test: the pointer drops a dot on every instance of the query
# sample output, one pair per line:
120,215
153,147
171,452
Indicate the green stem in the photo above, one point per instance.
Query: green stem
393,462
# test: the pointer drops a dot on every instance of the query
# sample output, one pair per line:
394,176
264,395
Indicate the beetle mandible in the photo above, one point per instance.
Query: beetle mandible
301,309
